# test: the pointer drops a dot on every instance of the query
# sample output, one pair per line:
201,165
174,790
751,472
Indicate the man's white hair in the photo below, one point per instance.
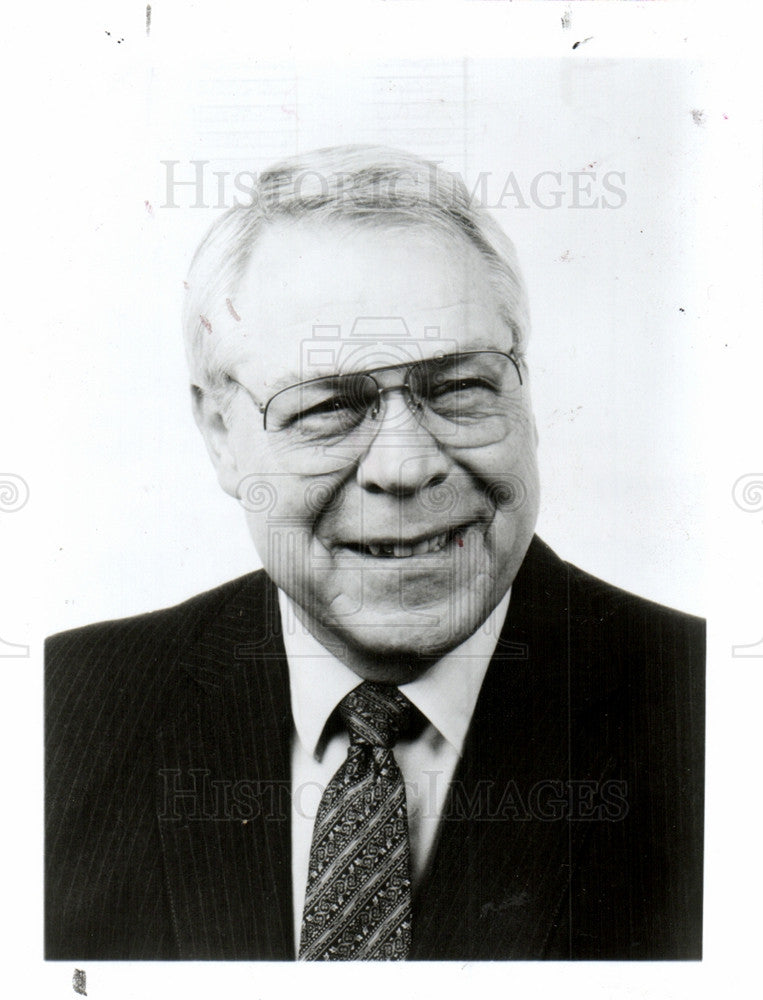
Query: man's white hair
360,185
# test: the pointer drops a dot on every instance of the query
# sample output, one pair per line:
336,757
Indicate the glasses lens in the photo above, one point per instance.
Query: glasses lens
467,397
323,409
466,400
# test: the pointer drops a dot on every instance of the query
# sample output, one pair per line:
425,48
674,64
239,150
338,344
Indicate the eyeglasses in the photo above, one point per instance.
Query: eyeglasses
467,399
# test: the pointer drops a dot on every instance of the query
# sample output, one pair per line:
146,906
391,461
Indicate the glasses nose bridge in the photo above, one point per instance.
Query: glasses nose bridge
382,390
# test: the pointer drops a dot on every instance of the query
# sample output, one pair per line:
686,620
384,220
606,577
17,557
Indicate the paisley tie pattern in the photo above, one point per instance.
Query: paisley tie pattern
358,899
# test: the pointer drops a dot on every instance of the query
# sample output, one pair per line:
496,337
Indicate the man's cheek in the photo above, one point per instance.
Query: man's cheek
278,504
511,478
282,543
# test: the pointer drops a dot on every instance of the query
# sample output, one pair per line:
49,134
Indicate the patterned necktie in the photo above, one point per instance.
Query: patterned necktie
358,899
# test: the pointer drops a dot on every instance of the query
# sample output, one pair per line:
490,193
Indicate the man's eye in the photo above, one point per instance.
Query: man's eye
330,415
326,407
460,385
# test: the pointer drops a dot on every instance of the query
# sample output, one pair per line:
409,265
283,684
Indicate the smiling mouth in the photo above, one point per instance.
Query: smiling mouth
404,550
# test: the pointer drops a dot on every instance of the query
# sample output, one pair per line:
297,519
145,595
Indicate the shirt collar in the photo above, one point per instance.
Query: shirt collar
445,694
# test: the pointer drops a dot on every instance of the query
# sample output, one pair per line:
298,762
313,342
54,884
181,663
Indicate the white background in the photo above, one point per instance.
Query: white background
648,415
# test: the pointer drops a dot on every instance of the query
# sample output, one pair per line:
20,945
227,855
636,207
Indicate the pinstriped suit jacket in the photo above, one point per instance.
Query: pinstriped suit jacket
573,828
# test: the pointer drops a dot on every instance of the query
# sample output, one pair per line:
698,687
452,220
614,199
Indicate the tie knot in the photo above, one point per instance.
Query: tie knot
375,714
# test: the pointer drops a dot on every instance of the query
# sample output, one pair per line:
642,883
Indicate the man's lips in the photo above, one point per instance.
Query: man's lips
399,548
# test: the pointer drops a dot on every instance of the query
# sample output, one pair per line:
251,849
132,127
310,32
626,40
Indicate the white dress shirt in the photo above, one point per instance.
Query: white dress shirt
445,695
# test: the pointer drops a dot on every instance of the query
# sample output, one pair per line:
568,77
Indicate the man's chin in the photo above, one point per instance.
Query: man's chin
401,647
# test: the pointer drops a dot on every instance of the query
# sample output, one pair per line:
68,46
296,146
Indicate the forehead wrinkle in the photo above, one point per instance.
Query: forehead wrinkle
325,314
307,327
294,378
279,326
269,261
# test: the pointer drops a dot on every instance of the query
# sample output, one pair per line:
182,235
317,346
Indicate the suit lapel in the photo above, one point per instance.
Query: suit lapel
500,872
501,867
223,785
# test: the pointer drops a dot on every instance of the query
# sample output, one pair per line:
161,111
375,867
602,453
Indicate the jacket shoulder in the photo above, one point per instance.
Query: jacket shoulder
153,629
608,599
629,676
112,671
111,688
548,589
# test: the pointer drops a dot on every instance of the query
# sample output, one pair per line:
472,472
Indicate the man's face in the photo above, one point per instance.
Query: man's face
404,548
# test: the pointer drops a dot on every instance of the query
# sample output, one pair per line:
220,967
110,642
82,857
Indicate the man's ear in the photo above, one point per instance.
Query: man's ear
218,439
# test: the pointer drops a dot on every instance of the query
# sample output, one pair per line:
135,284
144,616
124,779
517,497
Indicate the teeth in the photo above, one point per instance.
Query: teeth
400,551
435,544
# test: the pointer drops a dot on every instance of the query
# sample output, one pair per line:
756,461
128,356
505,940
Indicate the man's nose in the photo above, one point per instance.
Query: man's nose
403,456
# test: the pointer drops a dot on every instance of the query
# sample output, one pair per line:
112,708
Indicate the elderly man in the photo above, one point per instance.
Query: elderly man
417,733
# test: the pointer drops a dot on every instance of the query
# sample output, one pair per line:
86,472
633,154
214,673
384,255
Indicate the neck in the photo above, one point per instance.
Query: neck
399,667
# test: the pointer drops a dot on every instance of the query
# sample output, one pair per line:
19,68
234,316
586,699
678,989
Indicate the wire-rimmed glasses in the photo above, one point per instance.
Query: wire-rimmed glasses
464,399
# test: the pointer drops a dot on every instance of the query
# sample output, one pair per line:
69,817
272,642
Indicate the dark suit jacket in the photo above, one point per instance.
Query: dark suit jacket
573,828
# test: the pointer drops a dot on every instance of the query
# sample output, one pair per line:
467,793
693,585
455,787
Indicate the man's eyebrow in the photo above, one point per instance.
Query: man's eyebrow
295,378
289,380
286,381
